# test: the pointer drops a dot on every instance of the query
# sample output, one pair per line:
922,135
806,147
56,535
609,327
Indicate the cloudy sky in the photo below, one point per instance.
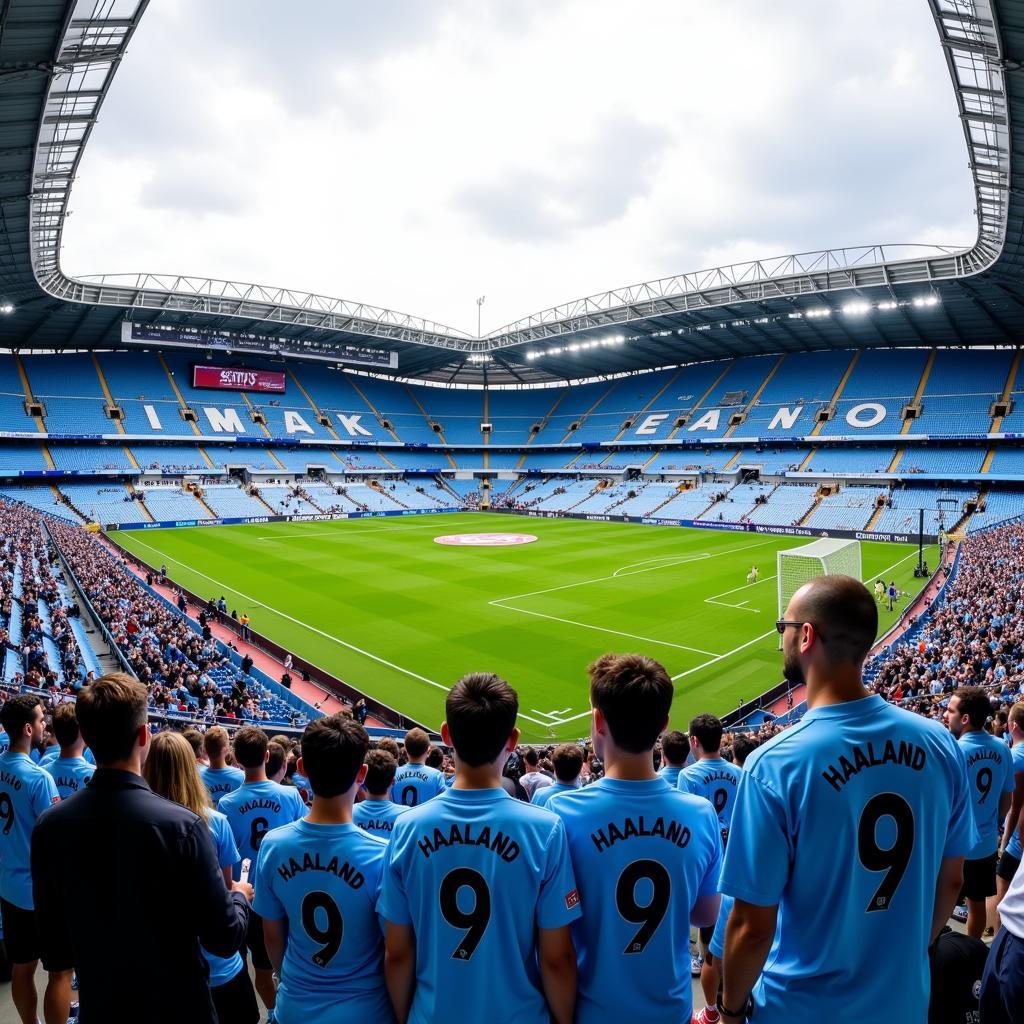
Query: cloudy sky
418,153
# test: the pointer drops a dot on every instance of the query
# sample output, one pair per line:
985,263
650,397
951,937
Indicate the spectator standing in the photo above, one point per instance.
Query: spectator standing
26,790
646,856
377,813
568,764
170,771
218,776
852,828
123,837
479,924
675,749
415,781
322,930
243,623
534,778
70,771
991,784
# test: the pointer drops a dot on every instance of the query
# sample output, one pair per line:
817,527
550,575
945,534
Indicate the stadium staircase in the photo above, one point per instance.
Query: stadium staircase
542,425
692,411
810,512
836,395
141,504
601,485
745,411
271,511
29,397
109,398
635,416
197,494
896,459
182,404
65,500
583,418
672,496
378,486
921,385
875,516
1004,398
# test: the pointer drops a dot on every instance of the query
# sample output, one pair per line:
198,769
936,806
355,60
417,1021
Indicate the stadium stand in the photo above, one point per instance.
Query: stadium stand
851,460
849,509
226,501
167,503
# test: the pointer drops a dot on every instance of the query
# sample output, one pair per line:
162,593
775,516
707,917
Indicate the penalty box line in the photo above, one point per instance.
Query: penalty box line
313,629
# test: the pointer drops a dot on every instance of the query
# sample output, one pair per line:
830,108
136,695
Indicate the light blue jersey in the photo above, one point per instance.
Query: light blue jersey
377,816
220,781
223,969
69,773
716,780
254,809
670,773
989,774
415,784
843,822
716,947
1013,844
476,874
542,797
325,880
50,754
25,792
643,853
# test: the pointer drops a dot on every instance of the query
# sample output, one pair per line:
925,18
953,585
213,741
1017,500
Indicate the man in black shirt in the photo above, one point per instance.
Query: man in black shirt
127,884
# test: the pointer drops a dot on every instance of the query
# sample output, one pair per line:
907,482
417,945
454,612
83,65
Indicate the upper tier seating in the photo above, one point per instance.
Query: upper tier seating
70,389
106,503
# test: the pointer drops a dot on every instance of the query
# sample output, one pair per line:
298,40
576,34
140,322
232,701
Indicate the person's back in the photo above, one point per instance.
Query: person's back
482,881
645,856
70,771
852,824
219,777
711,776
377,813
567,761
317,882
415,782
135,950
675,748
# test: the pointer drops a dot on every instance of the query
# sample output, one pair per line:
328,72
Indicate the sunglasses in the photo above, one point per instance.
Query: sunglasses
781,625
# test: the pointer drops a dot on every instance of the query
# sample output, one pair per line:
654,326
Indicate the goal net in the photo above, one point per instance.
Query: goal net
820,558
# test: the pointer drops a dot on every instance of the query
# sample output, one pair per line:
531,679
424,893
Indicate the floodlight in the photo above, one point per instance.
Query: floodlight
857,308
6,309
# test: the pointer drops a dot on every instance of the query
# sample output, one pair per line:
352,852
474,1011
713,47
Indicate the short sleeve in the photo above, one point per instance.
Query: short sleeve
1010,783
45,793
227,849
558,903
757,862
265,901
683,783
300,805
393,904
962,834
709,885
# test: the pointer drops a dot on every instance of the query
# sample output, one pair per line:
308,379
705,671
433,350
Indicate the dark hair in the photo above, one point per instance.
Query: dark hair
276,757
675,746
417,742
634,693
742,747
435,757
380,772
975,704
251,746
481,712
707,729
194,739
111,712
532,757
64,725
333,751
18,712
843,609
568,762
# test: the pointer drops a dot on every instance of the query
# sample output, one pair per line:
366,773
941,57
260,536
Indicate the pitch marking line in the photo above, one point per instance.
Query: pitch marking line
341,533
313,629
738,606
736,650
663,563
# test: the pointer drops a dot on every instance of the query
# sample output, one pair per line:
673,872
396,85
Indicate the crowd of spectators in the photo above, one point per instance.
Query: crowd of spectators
174,661
26,556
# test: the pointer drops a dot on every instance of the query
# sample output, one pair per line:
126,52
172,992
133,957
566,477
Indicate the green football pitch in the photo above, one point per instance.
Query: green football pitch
378,603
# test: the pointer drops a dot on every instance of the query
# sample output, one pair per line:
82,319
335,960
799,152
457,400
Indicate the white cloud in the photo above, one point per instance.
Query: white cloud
417,155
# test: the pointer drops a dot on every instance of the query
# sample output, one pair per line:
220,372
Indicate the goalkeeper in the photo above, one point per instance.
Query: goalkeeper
752,575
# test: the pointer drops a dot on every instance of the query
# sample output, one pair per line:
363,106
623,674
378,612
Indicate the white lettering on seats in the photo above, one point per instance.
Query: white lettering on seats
785,418
226,421
865,415
651,423
294,423
352,424
709,421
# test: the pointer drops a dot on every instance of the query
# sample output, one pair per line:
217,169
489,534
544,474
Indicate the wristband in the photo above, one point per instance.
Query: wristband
743,1014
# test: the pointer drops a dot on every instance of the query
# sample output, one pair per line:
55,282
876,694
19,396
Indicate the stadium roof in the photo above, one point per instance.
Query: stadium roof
59,57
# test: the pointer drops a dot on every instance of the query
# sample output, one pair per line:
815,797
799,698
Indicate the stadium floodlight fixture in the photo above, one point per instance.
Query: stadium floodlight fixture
6,308
888,304
856,308
574,347
926,300
819,311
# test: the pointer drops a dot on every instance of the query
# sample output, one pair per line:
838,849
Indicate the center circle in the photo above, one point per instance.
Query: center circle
485,540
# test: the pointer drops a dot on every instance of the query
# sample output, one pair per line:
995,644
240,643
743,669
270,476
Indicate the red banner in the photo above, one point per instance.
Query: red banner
222,379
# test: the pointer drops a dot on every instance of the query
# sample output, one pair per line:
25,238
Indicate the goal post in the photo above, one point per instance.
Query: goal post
823,557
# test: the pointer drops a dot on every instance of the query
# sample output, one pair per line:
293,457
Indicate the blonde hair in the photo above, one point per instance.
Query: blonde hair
171,771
